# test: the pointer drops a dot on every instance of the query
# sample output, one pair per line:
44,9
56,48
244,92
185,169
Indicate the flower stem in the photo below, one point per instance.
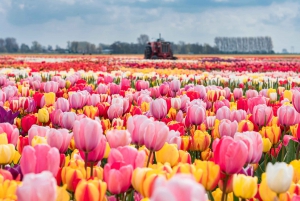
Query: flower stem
149,157
224,195
297,152
92,169
85,161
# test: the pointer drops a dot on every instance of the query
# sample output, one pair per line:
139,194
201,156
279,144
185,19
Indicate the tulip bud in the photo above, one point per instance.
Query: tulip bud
267,145
169,154
93,190
210,174
43,115
244,186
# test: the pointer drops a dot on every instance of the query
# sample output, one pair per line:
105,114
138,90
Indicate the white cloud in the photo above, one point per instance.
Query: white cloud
125,23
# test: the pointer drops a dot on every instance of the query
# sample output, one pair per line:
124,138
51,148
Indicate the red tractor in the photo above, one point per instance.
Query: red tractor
159,50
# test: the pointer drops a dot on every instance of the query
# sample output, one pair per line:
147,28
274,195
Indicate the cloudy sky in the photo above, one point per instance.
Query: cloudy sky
54,22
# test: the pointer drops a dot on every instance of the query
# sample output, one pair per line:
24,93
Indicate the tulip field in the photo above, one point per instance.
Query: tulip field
120,128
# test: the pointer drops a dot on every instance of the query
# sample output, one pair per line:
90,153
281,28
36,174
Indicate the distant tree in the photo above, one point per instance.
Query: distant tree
143,39
49,48
24,48
36,47
11,45
2,45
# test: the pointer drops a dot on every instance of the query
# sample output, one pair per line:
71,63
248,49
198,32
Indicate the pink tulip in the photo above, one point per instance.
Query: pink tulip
77,100
179,116
98,153
102,89
143,98
115,111
37,130
114,88
40,158
155,92
175,85
287,115
125,84
254,143
117,177
210,121
55,117
255,101
174,138
67,120
117,138
179,187
3,80
223,113
237,93
87,134
36,85
164,89
227,92
59,138
238,115
176,103
10,91
231,155
251,93
51,86
136,126
155,136
93,100
201,90
12,132
63,104
218,104
262,114
37,187
296,100
196,115
2,96
184,102
158,108
227,128
127,155
141,85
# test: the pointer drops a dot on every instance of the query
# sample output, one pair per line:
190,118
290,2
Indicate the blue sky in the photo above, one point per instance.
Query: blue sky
54,22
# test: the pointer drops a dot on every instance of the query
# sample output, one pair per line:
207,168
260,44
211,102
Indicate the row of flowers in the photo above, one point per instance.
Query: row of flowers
77,137
105,63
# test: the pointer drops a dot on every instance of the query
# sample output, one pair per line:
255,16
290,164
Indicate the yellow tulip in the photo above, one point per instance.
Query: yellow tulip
3,138
288,94
92,190
210,174
49,98
245,125
107,150
271,132
244,186
62,194
184,157
8,189
90,111
43,115
184,168
75,170
217,195
270,91
7,153
68,84
168,154
38,140
200,141
172,113
267,145
138,177
296,167
145,107
265,192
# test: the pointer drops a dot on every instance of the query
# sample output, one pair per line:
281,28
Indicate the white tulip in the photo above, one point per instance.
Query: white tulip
279,176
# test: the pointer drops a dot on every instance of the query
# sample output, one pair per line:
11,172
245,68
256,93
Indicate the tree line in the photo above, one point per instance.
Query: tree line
222,45
259,45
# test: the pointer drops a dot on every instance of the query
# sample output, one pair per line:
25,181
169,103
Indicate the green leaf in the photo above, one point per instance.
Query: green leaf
291,151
